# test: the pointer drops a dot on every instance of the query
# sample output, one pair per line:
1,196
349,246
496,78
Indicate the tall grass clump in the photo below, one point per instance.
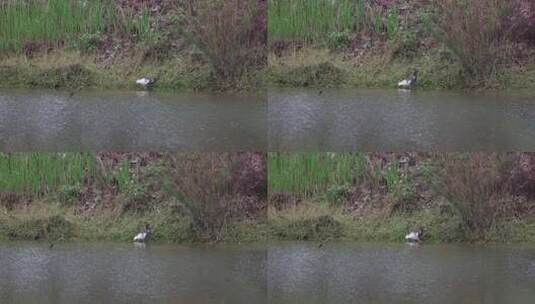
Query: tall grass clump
39,174
477,32
312,21
312,173
53,21
24,25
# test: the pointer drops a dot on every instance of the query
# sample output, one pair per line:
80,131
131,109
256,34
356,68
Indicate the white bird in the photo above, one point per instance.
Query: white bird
143,236
146,82
414,236
409,82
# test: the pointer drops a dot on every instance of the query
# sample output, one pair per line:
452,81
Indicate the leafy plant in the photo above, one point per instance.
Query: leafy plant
68,194
339,40
90,42
338,195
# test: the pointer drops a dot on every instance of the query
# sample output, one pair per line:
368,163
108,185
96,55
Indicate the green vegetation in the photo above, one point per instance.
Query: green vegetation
314,221
54,222
60,70
194,197
39,174
317,222
53,21
453,43
105,43
313,67
312,173
322,21
455,197
312,20
59,23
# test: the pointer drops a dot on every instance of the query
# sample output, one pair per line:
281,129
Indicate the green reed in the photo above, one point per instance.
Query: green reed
40,173
311,173
50,21
59,22
312,21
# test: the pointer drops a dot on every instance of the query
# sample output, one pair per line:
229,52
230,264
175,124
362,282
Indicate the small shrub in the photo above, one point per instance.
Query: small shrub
475,186
68,194
203,184
90,42
231,34
407,45
478,33
406,199
339,195
140,187
135,198
156,46
339,40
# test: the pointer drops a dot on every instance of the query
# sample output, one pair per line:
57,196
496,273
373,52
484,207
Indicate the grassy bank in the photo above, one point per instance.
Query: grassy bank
318,222
320,67
63,69
51,221
110,44
186,197
454,197
454,44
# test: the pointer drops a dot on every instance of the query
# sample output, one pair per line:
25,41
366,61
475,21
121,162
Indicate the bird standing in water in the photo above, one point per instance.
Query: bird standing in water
143,236
409,82
146,82
415,236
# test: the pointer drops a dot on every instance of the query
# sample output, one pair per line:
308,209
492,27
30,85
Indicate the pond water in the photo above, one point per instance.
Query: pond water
294,120
394,120
279,273
52,120
123,273
378,273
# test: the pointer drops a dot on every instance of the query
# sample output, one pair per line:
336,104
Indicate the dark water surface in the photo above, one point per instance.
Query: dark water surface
376,273
276,273
111,273
294,120
51,120
395,120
